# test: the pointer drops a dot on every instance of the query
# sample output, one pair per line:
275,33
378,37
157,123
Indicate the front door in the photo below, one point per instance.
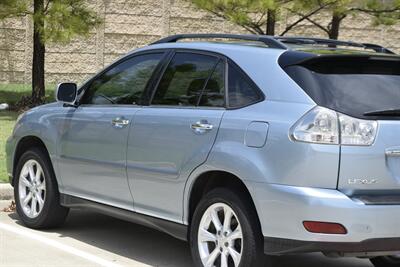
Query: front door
92,147
175,134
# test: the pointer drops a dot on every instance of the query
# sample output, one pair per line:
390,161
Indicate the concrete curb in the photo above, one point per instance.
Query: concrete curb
6,192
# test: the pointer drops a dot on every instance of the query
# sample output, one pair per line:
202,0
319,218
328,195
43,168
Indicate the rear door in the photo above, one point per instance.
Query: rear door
174,135
361,87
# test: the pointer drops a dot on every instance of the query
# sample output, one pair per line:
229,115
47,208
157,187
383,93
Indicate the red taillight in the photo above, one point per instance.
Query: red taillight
325,228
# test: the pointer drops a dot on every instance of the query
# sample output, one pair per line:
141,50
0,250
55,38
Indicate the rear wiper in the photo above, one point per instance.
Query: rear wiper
386,112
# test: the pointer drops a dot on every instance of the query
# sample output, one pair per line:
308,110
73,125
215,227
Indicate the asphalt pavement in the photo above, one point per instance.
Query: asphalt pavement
90,239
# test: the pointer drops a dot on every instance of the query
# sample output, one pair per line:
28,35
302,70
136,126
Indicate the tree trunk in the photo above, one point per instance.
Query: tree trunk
38,89
271,22
335,26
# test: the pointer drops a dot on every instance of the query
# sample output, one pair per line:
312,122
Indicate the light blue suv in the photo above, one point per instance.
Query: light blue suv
242,145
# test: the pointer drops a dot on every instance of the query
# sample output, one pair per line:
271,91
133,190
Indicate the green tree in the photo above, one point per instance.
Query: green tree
54,21
383,11
260,16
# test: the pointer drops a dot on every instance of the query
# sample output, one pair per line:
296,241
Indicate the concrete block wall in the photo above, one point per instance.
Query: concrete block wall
135,23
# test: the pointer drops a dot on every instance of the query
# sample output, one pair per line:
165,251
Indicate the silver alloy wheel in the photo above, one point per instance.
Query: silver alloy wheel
220,237
32,188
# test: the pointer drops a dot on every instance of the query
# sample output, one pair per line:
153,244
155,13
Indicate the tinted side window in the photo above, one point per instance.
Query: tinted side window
214,92
241,91
184,79
125,83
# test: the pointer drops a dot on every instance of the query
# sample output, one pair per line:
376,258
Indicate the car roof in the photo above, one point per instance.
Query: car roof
216,46
292,54
314,45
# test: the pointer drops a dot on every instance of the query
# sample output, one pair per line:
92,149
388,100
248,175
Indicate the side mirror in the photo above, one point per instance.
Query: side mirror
67,93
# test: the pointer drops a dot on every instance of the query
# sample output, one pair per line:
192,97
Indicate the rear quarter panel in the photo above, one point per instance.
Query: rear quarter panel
281,160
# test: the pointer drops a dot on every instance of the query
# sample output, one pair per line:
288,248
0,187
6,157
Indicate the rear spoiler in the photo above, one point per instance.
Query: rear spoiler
292,57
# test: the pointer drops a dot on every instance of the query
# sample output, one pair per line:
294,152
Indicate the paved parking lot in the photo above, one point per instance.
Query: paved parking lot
89,239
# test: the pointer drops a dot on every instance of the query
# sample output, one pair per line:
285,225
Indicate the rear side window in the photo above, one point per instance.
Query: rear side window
185,79
241,90
352,86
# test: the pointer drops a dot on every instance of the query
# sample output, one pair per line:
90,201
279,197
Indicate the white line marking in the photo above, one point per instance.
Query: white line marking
58,245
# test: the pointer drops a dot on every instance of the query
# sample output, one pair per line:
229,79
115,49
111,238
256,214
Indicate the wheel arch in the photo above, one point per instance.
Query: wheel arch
208,180
24,144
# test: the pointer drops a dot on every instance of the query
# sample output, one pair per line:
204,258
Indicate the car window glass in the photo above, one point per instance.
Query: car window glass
241,91
214,92
349,85
125,83
184,79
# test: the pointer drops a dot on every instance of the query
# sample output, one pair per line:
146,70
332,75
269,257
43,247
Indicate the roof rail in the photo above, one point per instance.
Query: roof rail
333,43
308,40
378,48
267,40
276,41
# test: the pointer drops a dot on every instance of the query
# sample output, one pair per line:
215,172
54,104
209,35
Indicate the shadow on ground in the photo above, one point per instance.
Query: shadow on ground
155,248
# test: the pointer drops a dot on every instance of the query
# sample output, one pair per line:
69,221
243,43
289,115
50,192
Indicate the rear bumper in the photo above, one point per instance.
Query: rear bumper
283,209
371,247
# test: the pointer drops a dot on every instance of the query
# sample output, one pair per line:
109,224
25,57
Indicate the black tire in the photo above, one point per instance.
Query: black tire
386,261
252,249
52,213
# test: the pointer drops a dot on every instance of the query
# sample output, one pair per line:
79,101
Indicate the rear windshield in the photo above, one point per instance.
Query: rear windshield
351,86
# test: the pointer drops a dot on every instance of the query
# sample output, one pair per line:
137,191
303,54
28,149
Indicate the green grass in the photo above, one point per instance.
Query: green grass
7,121
12,93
